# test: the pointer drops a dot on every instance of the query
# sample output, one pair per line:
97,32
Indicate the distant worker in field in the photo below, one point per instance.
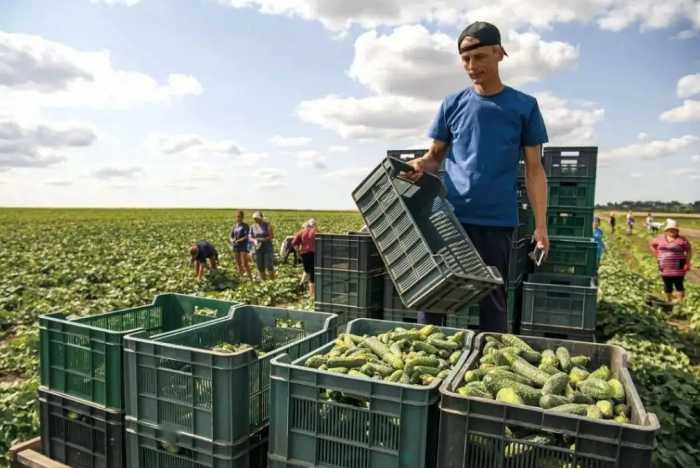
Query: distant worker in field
240,237
201,252
630,222
305,241
262,234
598,237
481,133
673,253
612,222
287,249
649,222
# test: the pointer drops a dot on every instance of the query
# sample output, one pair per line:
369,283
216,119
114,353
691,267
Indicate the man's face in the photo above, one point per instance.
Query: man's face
481,64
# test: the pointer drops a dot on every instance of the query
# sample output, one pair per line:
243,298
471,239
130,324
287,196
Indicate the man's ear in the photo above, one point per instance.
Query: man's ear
498,51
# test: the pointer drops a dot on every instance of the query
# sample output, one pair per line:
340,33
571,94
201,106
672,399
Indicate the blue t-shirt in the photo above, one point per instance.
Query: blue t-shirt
600,246
486,135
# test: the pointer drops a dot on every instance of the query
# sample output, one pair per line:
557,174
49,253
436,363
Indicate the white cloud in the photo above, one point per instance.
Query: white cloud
695,158
351,173
339,149
411,61
38,73
116,2
311,159
569,123
688,112
636,175
197,147
108,173
24,144
642,136
686,34
683,171
59,183
270,178
652,149
278,140
688,86
377,117
613,15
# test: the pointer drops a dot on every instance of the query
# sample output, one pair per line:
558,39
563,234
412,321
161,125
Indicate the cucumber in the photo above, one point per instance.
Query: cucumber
618,390
549,358
427,347
443,374
382,350
509,395
524,368
395,348
380,369
405,378
622,419
582,399
581,361
348,362
551,370
357,373
458,337
454,357
438,335
556,384
530,395
605,407
512,340
594,412
426,379
427,330
338,370
596,388
425,370
551,401
474,392
495,383
409,335
315,361
493,339
524,446
533,357
509,375
569,392
621,409
603,373
577,375
444,344
473,375
572,408
421,361
564,358
395,376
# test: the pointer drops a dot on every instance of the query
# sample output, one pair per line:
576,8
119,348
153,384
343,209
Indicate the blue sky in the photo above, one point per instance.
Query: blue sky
288,103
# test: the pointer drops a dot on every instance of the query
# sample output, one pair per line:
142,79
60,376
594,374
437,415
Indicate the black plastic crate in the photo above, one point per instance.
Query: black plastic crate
349,288
149,446
473,430
406,154
426,252
354,252
565,192
571,161
80,433
559,333
526,222
519,263
571,256
395,428
559,301
347,313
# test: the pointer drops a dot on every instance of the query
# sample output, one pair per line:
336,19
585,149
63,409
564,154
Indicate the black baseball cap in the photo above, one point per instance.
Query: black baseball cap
486,33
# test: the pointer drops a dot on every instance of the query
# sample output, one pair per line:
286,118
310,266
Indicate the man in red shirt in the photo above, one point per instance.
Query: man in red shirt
305,241
673,253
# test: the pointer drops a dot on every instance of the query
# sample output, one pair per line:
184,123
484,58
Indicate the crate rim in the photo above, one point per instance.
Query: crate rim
136,337
282,360
452,381
99,406
593,285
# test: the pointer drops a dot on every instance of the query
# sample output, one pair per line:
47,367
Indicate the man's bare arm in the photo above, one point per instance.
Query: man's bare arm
537,193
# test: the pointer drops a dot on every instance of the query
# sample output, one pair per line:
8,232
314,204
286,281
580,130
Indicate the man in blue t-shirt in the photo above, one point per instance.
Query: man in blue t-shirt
481,132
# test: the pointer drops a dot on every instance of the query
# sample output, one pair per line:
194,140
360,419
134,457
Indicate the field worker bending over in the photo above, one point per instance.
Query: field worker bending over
673,253
262,234
482,132
200,252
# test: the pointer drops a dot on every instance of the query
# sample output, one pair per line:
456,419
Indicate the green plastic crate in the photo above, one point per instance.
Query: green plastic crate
148,446
82,357
349,288
566,192
561,302
482,433
396,429
567,222
176,381
571,256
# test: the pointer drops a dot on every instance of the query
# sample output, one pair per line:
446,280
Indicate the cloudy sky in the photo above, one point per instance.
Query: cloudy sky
288,103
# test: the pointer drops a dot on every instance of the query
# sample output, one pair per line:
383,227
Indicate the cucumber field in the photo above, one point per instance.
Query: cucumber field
89,261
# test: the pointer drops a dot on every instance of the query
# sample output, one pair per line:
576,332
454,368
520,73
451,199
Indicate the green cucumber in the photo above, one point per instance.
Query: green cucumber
596,388
618,390
605,407
524,368
603,373
564,358
549,358
572,408
315,361
556,384
509,395
551,401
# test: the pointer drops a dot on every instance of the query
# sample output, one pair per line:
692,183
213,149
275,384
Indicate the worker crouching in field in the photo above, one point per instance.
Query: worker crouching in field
673,253
305,241
481,133
201,252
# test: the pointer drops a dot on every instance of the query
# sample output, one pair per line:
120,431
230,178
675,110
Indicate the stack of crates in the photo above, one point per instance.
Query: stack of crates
349,276
81,398
559,297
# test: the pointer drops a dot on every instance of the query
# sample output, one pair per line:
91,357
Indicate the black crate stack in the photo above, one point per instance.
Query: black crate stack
559,296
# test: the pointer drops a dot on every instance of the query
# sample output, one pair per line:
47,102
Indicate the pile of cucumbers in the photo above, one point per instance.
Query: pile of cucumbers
231,348
408,356
512,371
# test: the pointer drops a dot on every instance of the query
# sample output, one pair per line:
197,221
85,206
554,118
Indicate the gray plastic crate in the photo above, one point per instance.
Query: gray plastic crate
571,161
353,252
149,446
560,333
348,313
426,252
349,288
519,263
176,382
559,301
397,428
473,430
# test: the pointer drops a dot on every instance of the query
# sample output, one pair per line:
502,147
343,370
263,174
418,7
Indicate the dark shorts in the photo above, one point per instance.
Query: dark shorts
241,247
673,281
494,246
307,259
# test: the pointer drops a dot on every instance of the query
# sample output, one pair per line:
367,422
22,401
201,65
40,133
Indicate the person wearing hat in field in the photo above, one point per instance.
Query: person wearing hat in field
201,252
261,233
673,253
305,241
481,133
